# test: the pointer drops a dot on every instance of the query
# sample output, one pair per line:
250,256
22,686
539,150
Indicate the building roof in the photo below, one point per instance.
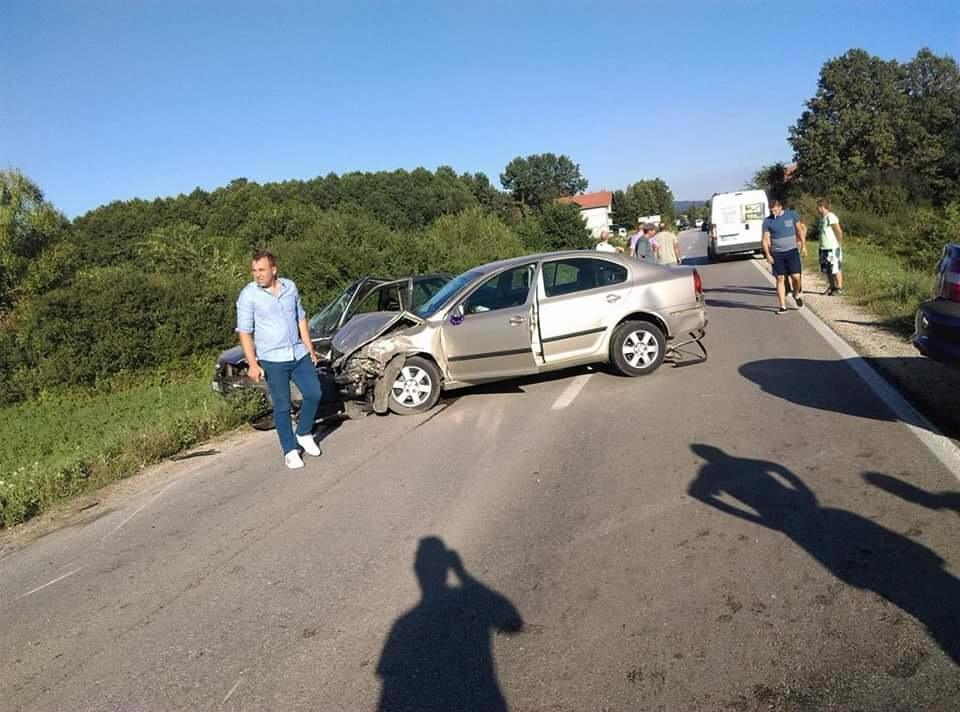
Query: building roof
601,199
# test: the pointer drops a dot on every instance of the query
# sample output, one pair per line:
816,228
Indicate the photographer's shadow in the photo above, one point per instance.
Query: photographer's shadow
856,550
438,655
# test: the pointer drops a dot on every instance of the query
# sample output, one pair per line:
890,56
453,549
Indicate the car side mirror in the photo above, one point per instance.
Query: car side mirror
456,315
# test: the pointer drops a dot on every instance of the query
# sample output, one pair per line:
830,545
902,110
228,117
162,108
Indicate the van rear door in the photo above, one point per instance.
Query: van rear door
737,221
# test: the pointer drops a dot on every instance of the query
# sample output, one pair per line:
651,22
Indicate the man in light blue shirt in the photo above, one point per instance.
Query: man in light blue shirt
275,337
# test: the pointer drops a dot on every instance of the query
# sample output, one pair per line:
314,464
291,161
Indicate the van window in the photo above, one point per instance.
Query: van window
753,211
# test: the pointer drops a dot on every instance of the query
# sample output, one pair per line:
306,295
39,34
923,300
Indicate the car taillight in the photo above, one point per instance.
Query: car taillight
697,284
948,280
713,232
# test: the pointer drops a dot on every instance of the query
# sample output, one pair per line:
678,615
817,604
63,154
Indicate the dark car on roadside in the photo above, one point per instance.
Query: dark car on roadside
370,294
937,333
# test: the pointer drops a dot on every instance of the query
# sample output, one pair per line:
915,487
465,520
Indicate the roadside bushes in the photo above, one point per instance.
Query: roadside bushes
113,320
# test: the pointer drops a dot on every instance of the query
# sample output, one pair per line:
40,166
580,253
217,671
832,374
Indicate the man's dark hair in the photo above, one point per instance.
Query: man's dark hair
823,203
776,201
264,255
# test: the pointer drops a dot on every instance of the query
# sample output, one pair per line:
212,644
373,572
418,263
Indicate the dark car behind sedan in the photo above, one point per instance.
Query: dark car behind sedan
370,294
937,332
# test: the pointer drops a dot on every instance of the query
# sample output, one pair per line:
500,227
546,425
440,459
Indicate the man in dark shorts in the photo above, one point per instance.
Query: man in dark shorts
783,244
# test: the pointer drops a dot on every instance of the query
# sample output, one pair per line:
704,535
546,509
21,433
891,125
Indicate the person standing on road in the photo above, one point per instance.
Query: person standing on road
831,250
604,244
669,250
634,238
783,244
275,338
646,246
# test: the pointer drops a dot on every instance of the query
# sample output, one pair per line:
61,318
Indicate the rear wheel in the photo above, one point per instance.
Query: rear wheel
416,388
637,348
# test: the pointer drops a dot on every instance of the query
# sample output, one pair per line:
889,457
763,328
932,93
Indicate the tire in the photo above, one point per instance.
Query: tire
637,348
711,255
417,388
263,422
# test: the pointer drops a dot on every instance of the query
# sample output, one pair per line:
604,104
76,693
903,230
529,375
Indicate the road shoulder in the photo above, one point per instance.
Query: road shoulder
929,386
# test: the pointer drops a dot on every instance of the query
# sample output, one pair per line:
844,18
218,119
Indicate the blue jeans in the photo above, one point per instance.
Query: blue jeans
279,375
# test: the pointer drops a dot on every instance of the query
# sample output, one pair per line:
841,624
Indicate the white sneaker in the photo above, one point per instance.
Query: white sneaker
309,445
292,460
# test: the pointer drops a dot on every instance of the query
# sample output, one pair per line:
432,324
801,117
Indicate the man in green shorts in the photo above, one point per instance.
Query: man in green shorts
831,252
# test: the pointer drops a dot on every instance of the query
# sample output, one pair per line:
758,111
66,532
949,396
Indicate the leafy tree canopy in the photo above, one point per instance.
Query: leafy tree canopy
539,179
874,124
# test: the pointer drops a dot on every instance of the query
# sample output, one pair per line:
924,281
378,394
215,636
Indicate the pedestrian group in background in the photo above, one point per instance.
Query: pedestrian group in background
647,243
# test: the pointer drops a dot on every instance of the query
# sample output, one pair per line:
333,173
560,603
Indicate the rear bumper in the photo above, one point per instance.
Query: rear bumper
686,321
937,330
736,248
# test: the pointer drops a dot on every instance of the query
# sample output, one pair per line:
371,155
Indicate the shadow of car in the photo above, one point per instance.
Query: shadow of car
370,294
937,325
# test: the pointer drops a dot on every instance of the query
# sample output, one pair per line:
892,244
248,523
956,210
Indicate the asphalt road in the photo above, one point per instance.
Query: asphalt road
756,532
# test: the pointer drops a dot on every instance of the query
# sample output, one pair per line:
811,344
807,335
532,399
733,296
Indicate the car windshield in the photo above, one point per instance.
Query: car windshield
325,322
440,299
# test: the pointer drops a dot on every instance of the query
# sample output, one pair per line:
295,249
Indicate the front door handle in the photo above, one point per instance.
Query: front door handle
516,320
613,298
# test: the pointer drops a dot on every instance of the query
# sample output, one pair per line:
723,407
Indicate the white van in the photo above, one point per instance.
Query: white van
736,223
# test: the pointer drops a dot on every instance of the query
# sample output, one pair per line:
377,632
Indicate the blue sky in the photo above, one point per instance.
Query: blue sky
114,99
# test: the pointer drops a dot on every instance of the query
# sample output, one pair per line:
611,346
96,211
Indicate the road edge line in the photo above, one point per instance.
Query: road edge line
939,445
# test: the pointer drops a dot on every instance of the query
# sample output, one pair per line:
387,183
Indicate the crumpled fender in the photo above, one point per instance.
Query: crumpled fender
381,391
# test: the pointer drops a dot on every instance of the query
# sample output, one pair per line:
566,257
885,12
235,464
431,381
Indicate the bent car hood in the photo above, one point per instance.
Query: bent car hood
362,329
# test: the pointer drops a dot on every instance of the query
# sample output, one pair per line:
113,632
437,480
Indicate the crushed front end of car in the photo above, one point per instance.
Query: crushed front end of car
368,355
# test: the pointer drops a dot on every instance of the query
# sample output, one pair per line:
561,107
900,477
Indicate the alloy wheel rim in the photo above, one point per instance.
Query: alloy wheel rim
640,349
412,387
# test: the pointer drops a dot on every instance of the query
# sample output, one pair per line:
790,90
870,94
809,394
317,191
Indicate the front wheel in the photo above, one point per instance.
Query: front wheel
416,388
637,348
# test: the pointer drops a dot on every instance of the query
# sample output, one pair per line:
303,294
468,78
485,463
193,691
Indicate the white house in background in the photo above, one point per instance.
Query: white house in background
596,209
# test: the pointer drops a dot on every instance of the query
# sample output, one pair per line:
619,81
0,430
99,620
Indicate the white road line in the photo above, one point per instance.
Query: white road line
135,512
942,447
571,391
49,583
232,690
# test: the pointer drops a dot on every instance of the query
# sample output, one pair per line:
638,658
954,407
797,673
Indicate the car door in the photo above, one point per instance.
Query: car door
489,334
579,299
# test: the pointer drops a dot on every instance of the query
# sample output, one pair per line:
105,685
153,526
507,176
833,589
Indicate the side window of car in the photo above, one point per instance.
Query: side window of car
568,276
507,289
389,299
610,273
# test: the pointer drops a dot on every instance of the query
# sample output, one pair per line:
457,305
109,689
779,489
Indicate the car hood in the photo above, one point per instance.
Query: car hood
362,329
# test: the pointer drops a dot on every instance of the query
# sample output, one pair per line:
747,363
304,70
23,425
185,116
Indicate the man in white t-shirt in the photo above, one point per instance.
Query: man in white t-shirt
831,250
604,244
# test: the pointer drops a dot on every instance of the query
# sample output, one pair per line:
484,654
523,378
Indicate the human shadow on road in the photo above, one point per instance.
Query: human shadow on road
856,550
438,655
731,304
913,494
751,291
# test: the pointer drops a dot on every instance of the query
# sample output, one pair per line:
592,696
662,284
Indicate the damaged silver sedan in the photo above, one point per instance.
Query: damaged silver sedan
522,316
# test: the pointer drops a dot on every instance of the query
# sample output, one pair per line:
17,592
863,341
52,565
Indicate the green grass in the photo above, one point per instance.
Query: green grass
70,441
880,281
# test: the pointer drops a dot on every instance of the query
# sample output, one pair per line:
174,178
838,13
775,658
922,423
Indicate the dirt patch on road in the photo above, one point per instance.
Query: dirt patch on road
932,387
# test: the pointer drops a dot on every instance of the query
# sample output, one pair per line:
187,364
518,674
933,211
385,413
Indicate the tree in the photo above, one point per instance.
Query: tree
557,227
645,197
539,179
878,133
34,255
773,180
